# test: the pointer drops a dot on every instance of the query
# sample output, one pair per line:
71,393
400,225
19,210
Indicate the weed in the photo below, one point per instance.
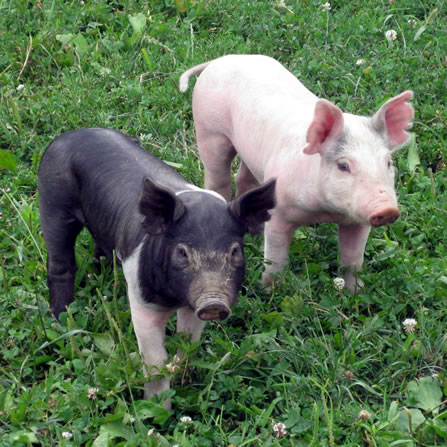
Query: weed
335,368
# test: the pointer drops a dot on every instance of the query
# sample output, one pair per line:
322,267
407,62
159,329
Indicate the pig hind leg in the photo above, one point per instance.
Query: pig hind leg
245,180
98,251
217,153
60,231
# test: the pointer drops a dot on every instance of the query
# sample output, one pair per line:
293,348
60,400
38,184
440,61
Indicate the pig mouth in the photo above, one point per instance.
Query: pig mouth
212,306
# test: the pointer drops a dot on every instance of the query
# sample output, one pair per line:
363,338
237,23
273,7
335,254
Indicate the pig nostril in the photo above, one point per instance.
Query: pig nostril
386,217
377,221
213,313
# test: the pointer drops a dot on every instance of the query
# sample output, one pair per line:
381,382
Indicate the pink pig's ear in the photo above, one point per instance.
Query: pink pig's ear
394,118
327,125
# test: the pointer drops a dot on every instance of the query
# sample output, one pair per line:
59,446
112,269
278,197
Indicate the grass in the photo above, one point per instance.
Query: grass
304,354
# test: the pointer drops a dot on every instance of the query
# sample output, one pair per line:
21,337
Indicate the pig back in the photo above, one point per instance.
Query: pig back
98,175
254,102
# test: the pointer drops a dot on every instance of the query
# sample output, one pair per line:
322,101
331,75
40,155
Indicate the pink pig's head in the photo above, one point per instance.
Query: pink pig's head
357,173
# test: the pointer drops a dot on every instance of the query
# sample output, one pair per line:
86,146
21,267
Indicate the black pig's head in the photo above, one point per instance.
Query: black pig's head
194,253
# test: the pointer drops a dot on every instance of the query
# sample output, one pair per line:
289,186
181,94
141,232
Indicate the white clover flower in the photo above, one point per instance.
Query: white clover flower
67,435
186,420
360,61
326,7
339,283
391,35
409,324
364,414
280,429
92,392
281,4
20,87
172,367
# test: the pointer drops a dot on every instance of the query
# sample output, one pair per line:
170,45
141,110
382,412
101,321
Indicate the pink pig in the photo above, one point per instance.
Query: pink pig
330,166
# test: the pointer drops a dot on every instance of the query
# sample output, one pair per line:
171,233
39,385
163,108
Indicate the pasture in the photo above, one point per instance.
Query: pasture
338,369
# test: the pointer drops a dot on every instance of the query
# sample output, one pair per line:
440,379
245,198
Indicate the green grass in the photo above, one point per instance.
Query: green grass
304,354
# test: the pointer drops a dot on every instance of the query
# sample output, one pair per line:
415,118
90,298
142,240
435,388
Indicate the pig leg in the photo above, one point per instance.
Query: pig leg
149,326
352,241
278,234
188,322
60,231
245,180
99,252
217,153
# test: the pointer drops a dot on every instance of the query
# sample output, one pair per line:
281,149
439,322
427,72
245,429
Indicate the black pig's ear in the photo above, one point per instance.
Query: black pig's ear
252,207
159,206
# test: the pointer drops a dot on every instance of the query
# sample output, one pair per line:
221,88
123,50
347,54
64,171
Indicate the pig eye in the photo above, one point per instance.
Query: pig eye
181,252
343,166
236,254
390,163
181,256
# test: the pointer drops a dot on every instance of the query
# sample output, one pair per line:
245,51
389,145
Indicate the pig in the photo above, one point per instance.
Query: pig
330,166
180,246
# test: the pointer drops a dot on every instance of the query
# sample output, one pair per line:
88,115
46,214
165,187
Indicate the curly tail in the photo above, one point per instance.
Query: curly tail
184,78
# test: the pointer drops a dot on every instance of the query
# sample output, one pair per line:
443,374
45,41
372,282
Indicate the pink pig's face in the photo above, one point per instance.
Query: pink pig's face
358,175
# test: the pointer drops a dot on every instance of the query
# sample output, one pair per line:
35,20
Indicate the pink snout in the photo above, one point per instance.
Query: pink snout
386,216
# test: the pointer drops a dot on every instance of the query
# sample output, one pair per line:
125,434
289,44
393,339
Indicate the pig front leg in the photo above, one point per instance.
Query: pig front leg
188,322
352,241
150,326
278,234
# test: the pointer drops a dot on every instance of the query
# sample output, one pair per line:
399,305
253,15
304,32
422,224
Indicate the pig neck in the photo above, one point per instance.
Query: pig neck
299,184
278,120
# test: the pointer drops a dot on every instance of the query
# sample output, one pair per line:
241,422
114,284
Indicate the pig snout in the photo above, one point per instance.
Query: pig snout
212,306
386,216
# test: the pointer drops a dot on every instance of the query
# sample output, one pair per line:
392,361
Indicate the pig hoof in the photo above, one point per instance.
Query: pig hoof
267,281
353,285
167,405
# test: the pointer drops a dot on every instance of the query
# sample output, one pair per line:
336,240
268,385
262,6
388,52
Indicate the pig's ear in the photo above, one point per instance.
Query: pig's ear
394,118
327,126
159,206
253,206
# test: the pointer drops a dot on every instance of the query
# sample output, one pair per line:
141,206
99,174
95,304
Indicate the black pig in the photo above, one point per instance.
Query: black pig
181,247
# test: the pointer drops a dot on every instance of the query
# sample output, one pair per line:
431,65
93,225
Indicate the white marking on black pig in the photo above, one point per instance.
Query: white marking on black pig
208,191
